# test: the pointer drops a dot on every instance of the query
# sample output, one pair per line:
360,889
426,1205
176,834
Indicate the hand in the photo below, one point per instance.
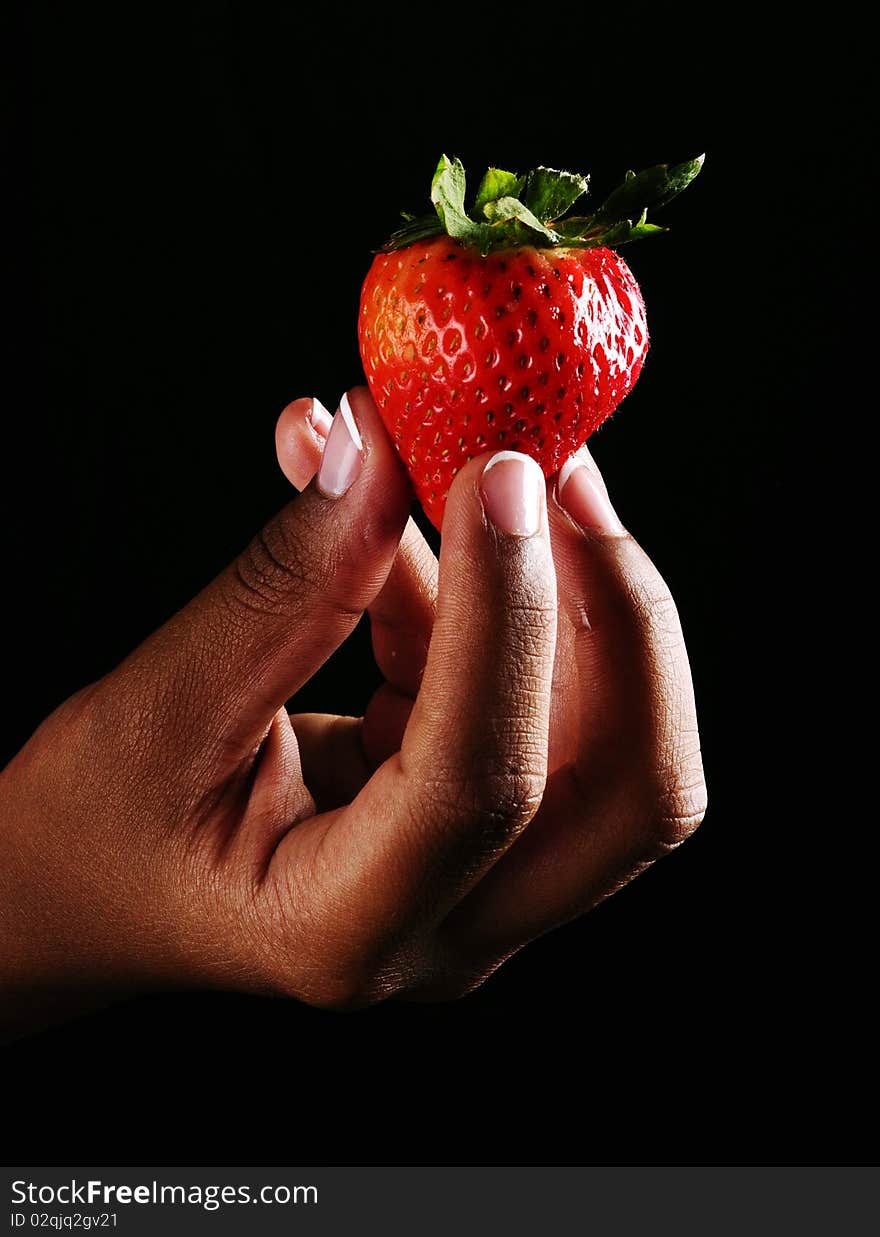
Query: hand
619,778
170,825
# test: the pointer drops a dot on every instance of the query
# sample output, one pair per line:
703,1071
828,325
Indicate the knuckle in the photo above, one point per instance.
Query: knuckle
494,802
471,823
335,960
349,983
679,802
509,799
339,993
316,948
272,567
281,564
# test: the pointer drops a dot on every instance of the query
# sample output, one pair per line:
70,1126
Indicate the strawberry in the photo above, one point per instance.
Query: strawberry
516,326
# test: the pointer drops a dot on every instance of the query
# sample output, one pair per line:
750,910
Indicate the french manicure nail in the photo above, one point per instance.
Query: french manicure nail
512,489
581,492
319,418
587,460
343,454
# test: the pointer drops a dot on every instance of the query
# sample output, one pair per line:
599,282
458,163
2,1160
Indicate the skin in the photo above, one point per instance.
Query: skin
534,746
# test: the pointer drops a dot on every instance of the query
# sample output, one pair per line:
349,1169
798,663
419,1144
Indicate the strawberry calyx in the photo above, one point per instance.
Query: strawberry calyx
510,210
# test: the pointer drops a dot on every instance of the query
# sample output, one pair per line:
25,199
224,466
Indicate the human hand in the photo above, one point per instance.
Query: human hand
619,773
169,825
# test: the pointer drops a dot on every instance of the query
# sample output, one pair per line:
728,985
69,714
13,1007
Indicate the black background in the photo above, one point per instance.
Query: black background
194,200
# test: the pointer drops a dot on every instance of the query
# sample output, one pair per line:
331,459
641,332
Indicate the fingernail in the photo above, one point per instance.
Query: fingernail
581,492
343,454
587,460
320,419
512,489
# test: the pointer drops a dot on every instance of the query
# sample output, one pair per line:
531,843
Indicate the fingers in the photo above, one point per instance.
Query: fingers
300,437
402,616
634,676
634,786
232,657
474,755
403,613
272,794
472,767
334,764
401,619
340,753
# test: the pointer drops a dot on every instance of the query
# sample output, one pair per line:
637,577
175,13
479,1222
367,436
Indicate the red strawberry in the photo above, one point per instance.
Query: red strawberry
506,333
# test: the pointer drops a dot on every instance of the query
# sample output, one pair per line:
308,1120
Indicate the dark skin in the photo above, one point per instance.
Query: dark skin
533,747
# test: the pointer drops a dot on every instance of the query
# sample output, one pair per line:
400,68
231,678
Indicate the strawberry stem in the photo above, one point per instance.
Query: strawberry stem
533,209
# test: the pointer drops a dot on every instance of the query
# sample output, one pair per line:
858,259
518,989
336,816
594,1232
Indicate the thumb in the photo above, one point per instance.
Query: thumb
256,634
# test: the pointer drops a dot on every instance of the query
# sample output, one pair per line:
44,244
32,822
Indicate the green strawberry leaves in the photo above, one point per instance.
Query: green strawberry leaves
511,210
653,188
550,193
504,209
496,205
497,184
447,194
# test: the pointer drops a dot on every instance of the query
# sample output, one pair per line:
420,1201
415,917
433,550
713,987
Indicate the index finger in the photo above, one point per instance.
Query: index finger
402,615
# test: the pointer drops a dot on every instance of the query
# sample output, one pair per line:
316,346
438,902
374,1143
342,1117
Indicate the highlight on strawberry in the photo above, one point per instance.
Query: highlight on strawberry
512,324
